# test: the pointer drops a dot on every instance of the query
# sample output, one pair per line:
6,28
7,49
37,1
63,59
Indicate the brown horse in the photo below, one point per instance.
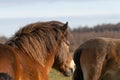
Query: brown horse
98,59
31,52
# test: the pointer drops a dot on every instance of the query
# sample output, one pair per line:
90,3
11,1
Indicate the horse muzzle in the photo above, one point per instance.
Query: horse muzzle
69,72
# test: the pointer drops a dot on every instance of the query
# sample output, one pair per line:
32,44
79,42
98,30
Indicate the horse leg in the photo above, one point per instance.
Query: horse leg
92,63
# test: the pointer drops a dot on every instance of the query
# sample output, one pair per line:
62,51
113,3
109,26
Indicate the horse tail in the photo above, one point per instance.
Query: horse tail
78,74
5,76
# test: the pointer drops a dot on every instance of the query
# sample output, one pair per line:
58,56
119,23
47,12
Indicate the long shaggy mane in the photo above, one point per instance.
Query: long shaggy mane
38,39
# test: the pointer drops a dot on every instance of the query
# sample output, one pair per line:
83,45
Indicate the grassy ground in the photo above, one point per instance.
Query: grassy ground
55,75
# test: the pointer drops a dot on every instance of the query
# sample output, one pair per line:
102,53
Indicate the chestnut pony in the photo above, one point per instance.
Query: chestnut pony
32,51
98,59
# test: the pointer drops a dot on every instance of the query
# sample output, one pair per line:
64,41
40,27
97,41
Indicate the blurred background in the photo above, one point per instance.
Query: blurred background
87,19
17,13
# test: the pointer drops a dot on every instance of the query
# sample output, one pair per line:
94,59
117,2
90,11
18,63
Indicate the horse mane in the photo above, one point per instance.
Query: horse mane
38,39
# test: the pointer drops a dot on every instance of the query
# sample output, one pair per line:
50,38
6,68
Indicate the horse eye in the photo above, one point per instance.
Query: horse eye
68,43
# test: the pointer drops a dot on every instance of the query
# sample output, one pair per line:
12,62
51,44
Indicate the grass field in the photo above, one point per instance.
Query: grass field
55,75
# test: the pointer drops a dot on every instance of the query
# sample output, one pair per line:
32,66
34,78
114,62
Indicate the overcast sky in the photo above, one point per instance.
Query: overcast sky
17,13
56,8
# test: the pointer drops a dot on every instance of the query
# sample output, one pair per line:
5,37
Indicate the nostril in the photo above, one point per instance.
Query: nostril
72,66
71,70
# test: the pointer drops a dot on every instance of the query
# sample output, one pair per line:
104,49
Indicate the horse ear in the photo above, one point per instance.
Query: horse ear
65,26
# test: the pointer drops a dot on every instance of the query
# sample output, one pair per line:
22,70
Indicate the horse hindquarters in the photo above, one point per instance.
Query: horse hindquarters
92,61
78,74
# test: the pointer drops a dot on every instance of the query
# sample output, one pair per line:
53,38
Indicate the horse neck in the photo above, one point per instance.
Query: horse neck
49,59
49,62
46,62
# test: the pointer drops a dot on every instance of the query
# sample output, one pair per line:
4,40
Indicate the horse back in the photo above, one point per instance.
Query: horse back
30,69
15,65
101,55
8,62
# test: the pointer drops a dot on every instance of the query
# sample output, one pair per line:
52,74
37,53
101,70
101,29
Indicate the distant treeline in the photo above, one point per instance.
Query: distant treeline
98,28
3,39
82,34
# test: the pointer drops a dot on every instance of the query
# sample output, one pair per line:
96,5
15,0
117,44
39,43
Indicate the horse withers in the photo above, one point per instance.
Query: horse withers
98,59
32,51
